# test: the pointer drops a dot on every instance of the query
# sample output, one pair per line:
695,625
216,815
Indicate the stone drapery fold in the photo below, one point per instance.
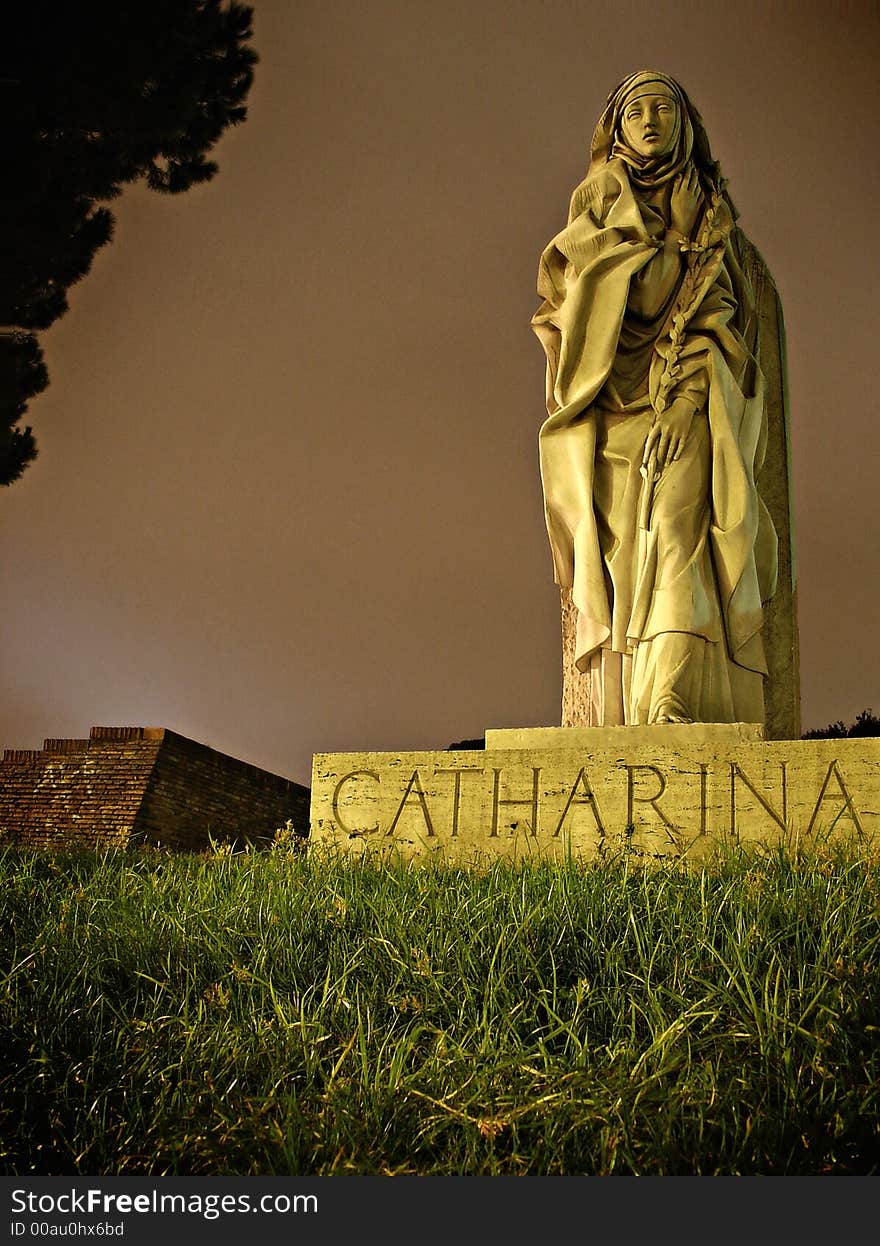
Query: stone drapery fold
707,340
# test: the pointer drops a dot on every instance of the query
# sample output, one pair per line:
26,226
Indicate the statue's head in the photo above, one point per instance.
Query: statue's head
650,124
649,119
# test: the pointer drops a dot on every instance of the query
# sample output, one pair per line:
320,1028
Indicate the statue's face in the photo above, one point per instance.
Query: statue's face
649,124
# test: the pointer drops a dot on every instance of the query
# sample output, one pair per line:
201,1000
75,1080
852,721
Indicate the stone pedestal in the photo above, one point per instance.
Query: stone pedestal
666,791
615,739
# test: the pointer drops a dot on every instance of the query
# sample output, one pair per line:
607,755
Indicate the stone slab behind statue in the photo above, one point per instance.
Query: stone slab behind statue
665,791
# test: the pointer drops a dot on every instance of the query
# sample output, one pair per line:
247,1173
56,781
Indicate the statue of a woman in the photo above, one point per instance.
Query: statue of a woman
656,425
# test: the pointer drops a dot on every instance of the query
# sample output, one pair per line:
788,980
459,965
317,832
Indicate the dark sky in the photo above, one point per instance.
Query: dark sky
288,499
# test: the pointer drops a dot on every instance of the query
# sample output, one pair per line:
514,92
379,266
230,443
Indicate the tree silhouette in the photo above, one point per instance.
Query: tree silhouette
97,96
866,724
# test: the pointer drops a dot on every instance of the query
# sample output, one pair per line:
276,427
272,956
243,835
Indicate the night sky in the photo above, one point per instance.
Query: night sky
287,498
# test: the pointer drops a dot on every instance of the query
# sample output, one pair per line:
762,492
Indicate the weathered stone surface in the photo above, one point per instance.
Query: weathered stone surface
670,800
601,739
782,690
665,453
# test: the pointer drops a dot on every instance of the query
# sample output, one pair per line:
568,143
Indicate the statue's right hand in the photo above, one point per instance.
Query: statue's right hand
684,204
668,434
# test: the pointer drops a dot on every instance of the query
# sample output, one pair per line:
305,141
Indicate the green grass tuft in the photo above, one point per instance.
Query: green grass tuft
285,1013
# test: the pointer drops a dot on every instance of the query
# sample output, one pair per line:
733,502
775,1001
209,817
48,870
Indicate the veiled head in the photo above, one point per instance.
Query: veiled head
650,119
650,124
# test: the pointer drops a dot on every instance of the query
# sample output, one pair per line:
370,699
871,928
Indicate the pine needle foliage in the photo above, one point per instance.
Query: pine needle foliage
866,724
288,1013
97,96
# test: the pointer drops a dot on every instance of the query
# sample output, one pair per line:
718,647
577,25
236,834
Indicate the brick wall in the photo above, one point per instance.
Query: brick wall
195,792
140,784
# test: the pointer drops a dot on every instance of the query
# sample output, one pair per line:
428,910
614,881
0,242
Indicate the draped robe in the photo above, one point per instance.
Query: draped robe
669,577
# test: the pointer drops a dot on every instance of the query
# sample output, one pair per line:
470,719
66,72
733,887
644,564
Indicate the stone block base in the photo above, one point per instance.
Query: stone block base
668,791
605,739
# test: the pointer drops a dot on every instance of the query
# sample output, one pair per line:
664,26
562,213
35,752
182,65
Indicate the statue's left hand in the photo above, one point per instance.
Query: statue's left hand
669,432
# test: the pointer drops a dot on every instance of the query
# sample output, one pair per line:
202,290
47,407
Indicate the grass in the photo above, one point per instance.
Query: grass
278,1013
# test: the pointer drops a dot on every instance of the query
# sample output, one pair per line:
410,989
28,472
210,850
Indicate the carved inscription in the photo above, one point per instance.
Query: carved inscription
413,788
704,791
848,809
779,817
456,797
589,798
651,800
533,801
669,802
350,830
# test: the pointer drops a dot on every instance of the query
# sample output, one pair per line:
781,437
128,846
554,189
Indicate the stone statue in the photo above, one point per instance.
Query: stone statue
657,429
